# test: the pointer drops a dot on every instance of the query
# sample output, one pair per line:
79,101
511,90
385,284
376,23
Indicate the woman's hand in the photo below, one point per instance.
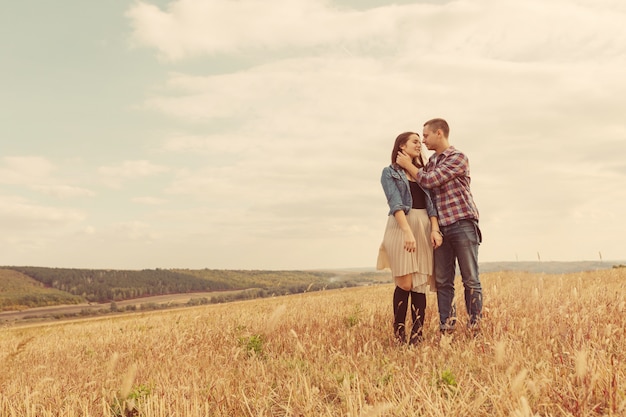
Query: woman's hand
436,238
409,241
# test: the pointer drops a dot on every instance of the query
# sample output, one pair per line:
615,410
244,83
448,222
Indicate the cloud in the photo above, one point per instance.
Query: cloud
151,201
24,170
136,230
460,29
188,143
21,214
115,175
194,27
64,191
39,174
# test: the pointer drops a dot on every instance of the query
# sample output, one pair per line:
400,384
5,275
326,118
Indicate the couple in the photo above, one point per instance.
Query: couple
432,220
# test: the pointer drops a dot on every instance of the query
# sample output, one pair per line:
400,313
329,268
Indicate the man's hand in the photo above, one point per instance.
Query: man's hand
436,238
404,160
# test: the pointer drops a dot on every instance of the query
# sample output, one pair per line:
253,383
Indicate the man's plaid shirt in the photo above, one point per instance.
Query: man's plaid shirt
448,176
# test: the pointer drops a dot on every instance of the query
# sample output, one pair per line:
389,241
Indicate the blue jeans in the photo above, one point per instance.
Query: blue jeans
460,243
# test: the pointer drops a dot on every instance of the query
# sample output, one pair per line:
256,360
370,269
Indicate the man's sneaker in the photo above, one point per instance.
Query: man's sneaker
474,329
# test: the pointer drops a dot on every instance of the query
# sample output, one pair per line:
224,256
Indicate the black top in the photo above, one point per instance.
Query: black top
419,196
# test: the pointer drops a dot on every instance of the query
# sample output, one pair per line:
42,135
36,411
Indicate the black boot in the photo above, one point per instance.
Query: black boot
400,307
418,311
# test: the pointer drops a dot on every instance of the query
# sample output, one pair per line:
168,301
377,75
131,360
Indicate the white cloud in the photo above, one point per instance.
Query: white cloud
152,201
39,174
130,169
20,214
24,170
506,30
136,230
193,27
63,191
115,175
196,143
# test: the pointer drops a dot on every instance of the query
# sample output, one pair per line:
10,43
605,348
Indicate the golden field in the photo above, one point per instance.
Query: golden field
551,345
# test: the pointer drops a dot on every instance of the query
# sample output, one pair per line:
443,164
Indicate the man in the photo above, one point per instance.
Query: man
447,175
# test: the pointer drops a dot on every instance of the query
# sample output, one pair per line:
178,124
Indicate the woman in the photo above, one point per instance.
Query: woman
411,234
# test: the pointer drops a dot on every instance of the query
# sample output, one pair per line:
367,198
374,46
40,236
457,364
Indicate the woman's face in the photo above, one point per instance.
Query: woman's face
413,146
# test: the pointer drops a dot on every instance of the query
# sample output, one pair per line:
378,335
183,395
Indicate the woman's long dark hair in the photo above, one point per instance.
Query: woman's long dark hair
401,140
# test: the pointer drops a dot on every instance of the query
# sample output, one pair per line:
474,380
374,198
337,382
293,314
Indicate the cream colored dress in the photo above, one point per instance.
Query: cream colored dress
392,254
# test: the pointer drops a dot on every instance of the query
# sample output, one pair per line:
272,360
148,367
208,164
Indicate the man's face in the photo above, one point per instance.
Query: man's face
429,138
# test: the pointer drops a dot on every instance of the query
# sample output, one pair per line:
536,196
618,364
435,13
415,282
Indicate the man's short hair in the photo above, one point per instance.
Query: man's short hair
436,124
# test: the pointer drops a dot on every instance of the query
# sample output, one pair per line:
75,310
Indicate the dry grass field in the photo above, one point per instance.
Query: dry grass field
551,345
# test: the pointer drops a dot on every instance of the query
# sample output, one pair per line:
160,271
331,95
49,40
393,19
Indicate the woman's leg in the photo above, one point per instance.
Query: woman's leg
400,306
418,311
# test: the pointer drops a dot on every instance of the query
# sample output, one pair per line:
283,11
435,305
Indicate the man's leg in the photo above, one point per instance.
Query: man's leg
444,277
466,250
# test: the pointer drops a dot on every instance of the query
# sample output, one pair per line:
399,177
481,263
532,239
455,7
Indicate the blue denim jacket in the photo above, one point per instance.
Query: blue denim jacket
396,187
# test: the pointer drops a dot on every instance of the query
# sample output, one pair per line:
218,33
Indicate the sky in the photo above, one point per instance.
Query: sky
251,134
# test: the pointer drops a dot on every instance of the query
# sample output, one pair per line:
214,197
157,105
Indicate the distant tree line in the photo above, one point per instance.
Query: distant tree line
102,286
116,285
266,279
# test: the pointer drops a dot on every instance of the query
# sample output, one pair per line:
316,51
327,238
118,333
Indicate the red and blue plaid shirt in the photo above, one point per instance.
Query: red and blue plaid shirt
447,175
